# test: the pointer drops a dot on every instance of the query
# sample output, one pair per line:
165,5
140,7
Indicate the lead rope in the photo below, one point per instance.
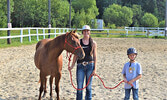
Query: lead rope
69,59
90,78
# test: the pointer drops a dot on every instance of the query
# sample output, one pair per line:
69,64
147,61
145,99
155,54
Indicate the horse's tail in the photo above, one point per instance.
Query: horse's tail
38,44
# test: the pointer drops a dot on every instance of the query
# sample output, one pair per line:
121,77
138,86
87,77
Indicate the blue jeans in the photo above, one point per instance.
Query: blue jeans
135,94
82,72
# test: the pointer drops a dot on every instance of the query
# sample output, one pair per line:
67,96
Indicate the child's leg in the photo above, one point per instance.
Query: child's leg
127,94
135,94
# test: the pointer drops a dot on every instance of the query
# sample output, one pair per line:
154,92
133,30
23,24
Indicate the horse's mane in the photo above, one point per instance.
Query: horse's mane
71,33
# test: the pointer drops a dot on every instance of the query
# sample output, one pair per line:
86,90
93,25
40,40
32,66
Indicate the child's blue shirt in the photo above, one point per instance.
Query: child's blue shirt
131,71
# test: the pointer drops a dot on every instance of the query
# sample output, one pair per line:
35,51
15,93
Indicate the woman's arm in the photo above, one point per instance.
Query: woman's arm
94,55
73,62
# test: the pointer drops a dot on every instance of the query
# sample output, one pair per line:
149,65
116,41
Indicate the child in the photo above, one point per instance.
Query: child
132,71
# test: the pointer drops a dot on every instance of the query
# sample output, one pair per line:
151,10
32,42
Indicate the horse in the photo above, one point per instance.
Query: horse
48,58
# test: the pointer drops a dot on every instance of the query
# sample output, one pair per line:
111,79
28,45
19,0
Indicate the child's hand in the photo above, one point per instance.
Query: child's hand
130,82
125,80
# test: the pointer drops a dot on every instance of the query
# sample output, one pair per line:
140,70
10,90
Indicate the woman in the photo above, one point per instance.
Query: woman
86,66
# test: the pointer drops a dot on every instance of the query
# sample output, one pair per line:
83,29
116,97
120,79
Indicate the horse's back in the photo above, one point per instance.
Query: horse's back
40,47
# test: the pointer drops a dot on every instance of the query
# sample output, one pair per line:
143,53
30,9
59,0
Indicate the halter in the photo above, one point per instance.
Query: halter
75,48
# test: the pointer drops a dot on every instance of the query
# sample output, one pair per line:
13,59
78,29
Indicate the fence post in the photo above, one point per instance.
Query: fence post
43,33
147,31
126,32
21,35
59,30
55,32
107,32
37,35
63,30
29,33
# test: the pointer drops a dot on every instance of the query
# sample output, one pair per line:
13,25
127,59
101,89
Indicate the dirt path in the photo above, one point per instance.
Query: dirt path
19,76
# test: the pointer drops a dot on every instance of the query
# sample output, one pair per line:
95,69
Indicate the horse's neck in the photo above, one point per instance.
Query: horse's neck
56,46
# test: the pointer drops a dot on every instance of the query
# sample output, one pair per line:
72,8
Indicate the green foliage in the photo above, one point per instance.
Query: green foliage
112,26
137,14
149,20
118,15
30,13
34,13
85,11
156,7
3,12
162,23
60,13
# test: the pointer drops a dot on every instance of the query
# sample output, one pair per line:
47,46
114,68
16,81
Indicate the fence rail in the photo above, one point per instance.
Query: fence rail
147,31
30,34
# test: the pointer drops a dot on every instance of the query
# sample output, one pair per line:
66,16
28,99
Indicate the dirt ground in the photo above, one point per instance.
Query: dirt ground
19,76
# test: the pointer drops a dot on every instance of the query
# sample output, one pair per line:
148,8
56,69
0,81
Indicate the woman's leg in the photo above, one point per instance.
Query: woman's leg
89,70
80,80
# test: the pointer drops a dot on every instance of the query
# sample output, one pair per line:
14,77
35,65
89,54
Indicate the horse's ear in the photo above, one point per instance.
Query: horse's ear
71,32
75,30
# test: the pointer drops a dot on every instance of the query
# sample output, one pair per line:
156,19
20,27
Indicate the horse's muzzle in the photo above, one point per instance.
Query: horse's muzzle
81,56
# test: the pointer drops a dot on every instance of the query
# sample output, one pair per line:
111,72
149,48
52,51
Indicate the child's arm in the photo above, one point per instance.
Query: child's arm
125,78
138,77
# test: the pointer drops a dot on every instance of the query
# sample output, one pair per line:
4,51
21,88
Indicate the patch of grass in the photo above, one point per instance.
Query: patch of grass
15,42
157,37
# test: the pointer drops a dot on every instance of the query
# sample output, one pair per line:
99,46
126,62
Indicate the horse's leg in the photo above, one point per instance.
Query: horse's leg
41,87
45,86
51,82
57,80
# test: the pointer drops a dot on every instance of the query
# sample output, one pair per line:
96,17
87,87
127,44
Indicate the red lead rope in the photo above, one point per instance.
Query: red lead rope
90,78
75,48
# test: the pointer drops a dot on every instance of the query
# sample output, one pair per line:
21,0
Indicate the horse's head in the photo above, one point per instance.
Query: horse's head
72,44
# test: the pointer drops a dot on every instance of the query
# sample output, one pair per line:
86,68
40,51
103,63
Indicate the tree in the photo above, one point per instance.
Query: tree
102,4
162,23
60,13
3,17
3,12
30,13
137,15
85,10
120,16
149,20
156,7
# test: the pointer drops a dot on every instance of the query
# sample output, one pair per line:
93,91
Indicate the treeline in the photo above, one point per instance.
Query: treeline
115,13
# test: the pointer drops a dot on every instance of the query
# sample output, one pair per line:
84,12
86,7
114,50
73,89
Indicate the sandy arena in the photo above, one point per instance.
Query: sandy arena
19,76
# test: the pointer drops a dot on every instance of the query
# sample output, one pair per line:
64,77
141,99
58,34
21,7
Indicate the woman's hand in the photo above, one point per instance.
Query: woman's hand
93,73
70,68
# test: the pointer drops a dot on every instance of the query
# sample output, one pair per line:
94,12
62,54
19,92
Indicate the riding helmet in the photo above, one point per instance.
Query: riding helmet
131,50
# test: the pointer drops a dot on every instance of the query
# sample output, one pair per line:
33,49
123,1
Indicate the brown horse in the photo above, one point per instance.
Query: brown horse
48,58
